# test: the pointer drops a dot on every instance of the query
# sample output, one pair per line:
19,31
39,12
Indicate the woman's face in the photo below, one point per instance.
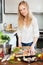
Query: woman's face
23,10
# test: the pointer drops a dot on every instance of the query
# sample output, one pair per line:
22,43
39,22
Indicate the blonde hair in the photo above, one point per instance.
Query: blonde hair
21,17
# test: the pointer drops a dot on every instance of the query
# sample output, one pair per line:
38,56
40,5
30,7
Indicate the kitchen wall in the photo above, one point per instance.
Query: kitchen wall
8,18
12,18
39,17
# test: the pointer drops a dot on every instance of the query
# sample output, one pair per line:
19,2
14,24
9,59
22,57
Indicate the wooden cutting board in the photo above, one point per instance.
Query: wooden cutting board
24,52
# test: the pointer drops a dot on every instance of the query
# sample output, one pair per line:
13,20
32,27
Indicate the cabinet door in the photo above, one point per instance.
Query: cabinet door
35,5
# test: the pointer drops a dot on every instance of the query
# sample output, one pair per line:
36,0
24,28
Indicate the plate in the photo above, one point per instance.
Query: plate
33,59
29,59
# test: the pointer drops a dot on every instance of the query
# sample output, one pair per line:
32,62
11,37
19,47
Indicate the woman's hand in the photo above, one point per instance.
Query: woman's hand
32,50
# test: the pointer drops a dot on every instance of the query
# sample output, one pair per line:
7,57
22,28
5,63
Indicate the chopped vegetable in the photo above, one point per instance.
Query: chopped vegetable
18,59
0,34
17,49
11,61
33,58
12,57
2,41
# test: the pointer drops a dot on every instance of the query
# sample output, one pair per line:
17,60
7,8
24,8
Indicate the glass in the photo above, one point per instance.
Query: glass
8,49
4,25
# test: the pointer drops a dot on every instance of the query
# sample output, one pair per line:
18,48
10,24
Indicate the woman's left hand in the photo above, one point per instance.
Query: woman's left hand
32,50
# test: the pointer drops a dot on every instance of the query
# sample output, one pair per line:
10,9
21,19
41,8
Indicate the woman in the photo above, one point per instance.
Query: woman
28,31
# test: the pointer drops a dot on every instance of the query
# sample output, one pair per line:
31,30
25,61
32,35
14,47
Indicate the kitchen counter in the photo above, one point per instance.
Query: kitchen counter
21,63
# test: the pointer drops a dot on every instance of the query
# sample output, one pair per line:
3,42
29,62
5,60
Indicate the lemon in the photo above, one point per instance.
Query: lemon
18,59
39,55
12,57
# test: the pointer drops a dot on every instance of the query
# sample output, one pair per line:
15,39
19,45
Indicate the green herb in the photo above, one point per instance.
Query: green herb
16,50
5,37
0,34
2,41
11,61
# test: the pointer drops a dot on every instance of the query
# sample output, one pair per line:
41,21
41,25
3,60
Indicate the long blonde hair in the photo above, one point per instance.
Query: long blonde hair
21,17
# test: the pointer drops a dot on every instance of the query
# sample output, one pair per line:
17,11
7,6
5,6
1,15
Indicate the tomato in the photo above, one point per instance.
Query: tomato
41,56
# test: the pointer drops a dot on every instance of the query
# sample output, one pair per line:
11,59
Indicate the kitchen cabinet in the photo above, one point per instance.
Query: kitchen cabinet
11,5
35,5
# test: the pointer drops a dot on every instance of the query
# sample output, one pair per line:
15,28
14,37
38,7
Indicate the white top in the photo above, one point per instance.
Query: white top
27,34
